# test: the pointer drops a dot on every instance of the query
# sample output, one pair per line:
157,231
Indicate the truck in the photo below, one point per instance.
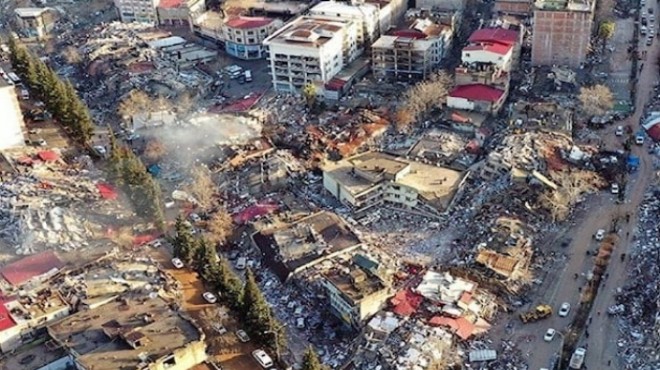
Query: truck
577,359
539,312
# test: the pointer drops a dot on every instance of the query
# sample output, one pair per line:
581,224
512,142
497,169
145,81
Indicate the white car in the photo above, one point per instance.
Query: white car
177,263
262,358
549,335
564,309
242,336
600,234
619,131
210,297
219,328
639,139
300,323
614,188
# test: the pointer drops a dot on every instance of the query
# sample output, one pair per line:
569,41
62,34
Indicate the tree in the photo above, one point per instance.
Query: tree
311,360
403,119
201,186
220,226
229,284
71,55
256,312
135,102
183,242
422,97
184,103
205,260
309,94
161,103
596,100
606,30
571,188
154,150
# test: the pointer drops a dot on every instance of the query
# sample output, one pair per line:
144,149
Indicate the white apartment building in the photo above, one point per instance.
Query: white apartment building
140,11
310,50
244,36
12,118
365,17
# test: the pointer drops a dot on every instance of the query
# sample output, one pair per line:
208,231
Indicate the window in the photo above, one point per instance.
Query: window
238,39
250,32
250,41
169,362
467,55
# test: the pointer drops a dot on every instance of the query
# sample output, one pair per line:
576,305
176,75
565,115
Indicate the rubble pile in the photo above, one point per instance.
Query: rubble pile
531,150
638,305
39,209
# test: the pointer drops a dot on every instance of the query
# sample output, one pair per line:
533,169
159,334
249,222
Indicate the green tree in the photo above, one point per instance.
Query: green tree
309,93
606,30
205,260
229,284
183,242
256,312
311,360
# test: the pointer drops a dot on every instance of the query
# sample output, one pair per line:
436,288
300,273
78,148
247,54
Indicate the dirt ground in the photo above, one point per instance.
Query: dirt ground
225,349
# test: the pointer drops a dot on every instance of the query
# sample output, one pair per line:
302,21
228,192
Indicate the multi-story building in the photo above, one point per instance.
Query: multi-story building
498,35
390,12
513,7
562,32
372,179
131,333
35,22
477,97
244,36
179,12
412,53
497,54
365,17
12,125
310,50
355,291
140,11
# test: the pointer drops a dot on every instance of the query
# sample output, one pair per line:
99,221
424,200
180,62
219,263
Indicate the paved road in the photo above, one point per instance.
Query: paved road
564,288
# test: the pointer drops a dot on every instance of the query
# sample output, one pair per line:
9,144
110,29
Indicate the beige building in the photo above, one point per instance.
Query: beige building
356,290
139,11
244,36
562,32
374,178
131,333
35,22
365,17
13,124
179,12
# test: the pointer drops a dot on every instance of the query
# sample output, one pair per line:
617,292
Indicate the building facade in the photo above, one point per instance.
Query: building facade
513,7
13,124
310,50
365,17
139,11
476,97
244,36
35,22
179,12
562,32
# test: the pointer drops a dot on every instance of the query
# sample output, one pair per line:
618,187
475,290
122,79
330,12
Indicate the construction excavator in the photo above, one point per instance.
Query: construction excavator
539,312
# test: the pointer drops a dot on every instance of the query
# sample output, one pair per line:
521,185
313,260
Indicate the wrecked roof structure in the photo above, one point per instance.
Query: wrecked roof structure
541,116
31,267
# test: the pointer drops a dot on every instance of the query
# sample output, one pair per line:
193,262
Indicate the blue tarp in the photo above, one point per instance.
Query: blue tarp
154,170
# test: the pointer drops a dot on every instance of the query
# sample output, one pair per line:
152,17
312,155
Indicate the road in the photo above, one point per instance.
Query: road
564,287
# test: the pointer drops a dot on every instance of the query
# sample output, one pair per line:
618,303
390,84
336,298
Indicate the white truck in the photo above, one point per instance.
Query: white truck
578,358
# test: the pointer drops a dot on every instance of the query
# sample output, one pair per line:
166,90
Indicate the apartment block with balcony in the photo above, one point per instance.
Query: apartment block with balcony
365,17
244,36
373,179
310,50
139,11
412,53
562,32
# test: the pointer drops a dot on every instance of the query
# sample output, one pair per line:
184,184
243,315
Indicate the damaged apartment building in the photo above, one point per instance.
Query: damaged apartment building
379,179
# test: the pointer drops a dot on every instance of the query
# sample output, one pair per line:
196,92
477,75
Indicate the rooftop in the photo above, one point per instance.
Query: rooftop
413,38
248,22
170,4
501,49
542,116
35,305
334,7
124,334
308,31
477,92
21,271
353,281
570,5
30,12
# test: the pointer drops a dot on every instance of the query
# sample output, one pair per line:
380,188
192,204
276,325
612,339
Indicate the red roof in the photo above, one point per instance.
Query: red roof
144,239
107,191
496,48
406,303
654,132
413,34
499,35
170,3
27,268
477,92
242,105
48,156
254,211
335,84
463,328
6,321
248,22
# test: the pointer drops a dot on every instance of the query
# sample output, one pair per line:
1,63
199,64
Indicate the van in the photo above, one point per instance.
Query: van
241,263
233,71
248,76
262,358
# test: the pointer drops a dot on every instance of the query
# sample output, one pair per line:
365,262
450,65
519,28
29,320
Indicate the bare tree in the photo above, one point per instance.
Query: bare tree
596,100
403,119
160,104
184,102
424,96
71,55
154,150
571,187
135,102
202,186
220,227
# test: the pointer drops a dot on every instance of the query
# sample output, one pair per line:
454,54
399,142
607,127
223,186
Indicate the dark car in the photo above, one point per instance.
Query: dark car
26,360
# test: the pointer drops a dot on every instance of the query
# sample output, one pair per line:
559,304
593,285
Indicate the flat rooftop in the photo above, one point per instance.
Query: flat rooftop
578,5
100,338
388,42
308,31
354,282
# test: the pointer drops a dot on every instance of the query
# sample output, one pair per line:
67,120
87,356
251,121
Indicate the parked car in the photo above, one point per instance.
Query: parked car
219,328
262,358
300,323
619,131
242,336
241,263
210,297
614,188
639,139
600,234
564,309
549,335
177,263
